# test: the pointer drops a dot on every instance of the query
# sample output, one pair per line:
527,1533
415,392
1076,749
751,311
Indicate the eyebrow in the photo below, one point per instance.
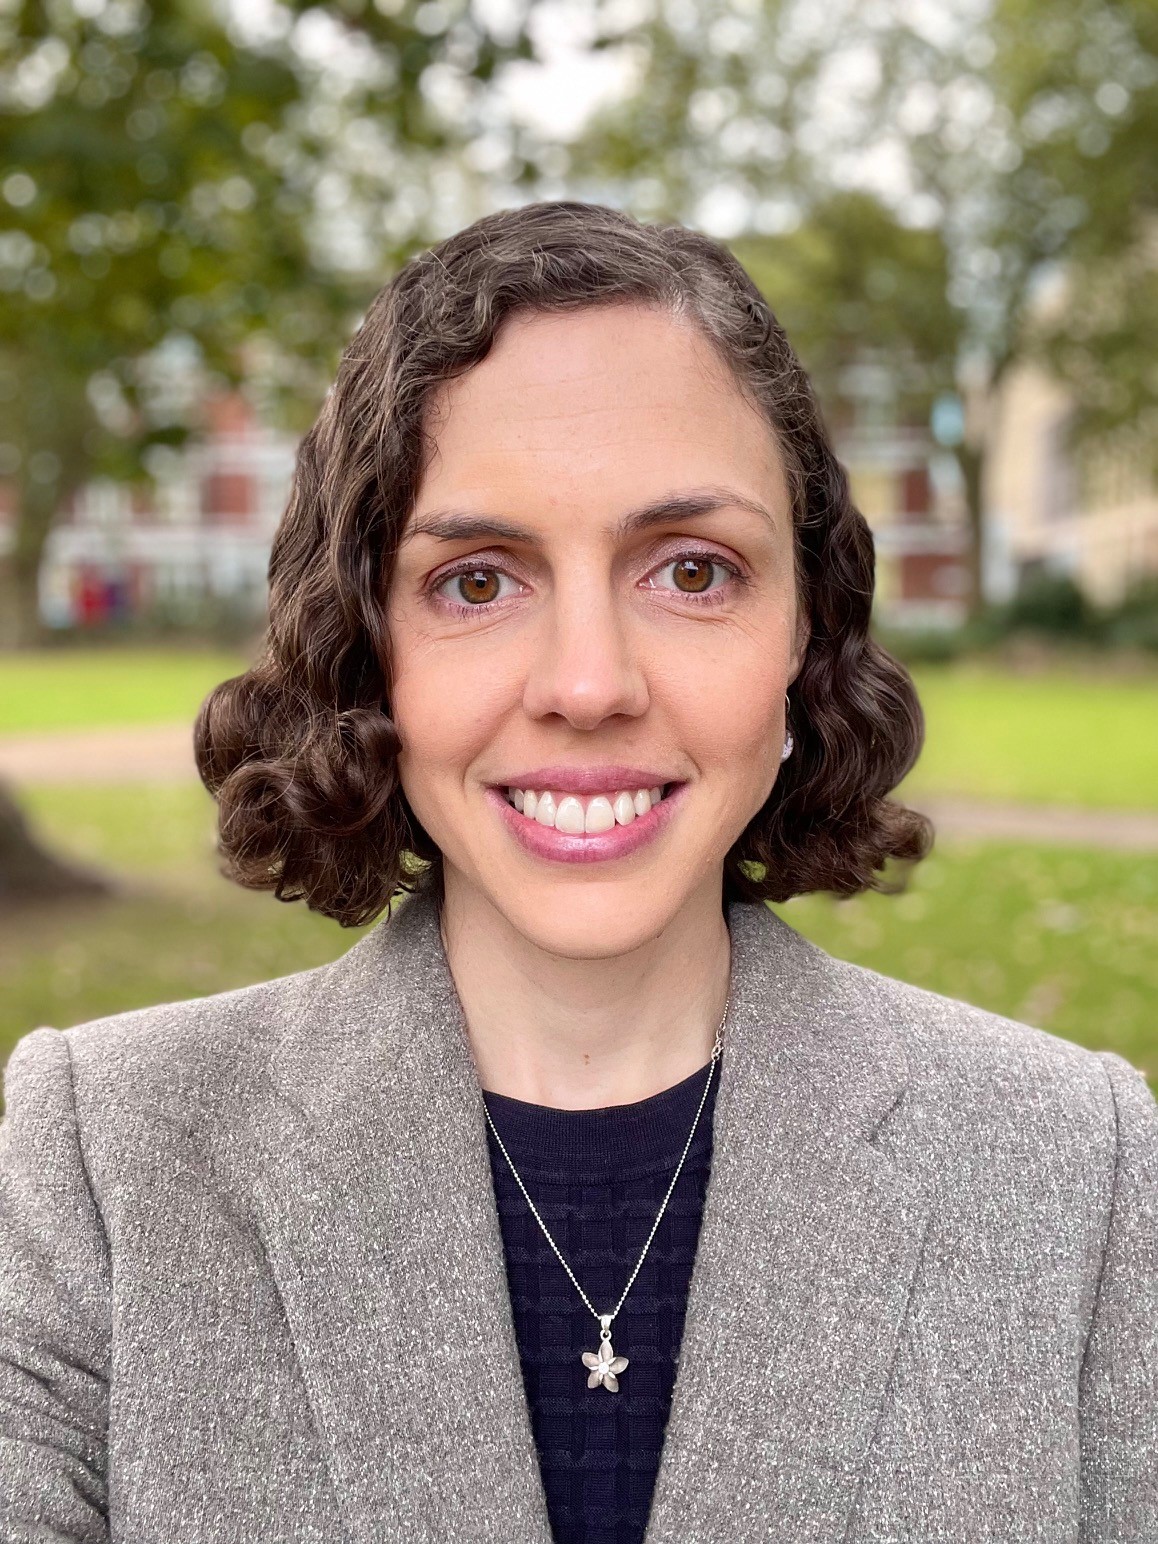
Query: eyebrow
449,525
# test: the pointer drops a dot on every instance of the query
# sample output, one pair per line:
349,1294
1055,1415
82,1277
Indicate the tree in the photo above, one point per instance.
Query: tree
182,172
850,281
978,122
1082,83
717,127
1030,133
169,177
852,284
29,873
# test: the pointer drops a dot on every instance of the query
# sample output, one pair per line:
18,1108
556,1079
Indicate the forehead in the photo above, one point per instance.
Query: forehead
601,405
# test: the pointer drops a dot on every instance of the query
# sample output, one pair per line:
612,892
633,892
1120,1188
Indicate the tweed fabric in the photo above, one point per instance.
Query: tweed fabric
598,1179
252,1281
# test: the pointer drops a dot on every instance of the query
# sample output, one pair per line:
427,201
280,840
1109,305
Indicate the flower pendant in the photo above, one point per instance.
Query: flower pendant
605,1367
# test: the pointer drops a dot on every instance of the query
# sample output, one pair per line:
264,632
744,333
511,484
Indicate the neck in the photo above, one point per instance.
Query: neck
586,1033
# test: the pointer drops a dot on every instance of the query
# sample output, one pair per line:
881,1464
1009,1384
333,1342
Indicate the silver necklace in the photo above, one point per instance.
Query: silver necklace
603,1366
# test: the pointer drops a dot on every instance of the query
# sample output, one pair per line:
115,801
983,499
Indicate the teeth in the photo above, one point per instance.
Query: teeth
569,813
600,815
545,809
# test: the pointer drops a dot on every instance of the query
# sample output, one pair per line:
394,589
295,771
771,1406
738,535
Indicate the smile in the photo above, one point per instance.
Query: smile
565,827
578,815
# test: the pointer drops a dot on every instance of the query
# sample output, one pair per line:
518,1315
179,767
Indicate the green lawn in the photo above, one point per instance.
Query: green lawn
1063,938
1051,737
179,930
92,688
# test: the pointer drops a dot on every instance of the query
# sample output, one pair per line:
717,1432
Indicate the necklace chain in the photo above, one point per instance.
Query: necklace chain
605,1319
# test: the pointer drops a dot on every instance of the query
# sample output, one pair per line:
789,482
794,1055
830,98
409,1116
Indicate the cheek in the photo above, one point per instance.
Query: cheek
446,714
747,740
730,707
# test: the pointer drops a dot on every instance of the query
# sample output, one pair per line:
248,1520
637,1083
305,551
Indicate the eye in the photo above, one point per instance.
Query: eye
473,586
693,573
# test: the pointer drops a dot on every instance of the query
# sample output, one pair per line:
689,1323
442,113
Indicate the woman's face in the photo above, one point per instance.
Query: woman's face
594,596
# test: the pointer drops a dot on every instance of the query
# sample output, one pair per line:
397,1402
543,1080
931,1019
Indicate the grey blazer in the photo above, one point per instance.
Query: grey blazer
253,1285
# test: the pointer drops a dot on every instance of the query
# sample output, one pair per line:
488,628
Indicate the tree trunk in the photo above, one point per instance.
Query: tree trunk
29,872
52,430
971,459
20,624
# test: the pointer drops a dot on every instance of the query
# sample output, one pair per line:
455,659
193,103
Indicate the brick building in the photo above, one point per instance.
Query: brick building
199,541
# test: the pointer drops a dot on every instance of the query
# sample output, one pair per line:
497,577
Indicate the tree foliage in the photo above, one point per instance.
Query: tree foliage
1017,134
1081,81
851,283
175,179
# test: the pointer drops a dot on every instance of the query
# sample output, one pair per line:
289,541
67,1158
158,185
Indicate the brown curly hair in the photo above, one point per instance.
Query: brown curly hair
300,751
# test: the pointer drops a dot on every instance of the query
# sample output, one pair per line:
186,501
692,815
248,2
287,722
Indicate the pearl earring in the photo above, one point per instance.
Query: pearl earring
788,743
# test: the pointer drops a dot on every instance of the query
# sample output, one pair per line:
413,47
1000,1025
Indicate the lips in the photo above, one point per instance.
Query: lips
587,779
546,842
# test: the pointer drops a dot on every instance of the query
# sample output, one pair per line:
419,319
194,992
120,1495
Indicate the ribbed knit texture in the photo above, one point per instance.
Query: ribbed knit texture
598,1178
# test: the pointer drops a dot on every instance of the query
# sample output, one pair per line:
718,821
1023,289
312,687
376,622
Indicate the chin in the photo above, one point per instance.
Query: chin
589,921
588,938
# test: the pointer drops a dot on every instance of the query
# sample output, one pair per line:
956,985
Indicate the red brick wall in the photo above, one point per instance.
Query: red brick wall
920,572
229,497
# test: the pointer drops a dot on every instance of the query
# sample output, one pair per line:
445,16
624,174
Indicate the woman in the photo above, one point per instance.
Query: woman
569,643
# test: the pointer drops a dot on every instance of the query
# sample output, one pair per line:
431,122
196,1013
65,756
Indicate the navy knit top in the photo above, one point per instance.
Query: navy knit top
598,1178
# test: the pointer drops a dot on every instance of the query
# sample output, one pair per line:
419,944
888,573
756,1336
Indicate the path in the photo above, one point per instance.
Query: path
164,753
1128,830
146,753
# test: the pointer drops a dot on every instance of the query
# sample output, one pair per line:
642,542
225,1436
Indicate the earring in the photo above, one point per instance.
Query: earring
788,743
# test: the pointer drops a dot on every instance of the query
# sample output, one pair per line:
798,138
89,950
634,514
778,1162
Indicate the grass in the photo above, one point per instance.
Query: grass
1052,736
178,931
1066,939
94,688
1063,938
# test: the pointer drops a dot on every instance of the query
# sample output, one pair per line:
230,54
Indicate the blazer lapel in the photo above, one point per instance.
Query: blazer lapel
376,1203
808,1248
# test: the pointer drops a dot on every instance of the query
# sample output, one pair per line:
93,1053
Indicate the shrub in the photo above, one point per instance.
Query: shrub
1053,604
1133,623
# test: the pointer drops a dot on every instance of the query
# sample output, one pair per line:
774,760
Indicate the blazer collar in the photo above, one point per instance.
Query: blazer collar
375,1201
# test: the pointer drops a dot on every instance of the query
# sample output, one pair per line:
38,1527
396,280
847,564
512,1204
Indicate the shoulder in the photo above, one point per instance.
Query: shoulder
946,1036
177,1061
194,1062
1002,1081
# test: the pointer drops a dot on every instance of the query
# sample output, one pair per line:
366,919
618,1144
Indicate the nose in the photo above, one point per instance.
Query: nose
585,665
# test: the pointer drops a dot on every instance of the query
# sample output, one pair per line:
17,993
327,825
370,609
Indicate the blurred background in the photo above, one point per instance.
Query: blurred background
951,205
